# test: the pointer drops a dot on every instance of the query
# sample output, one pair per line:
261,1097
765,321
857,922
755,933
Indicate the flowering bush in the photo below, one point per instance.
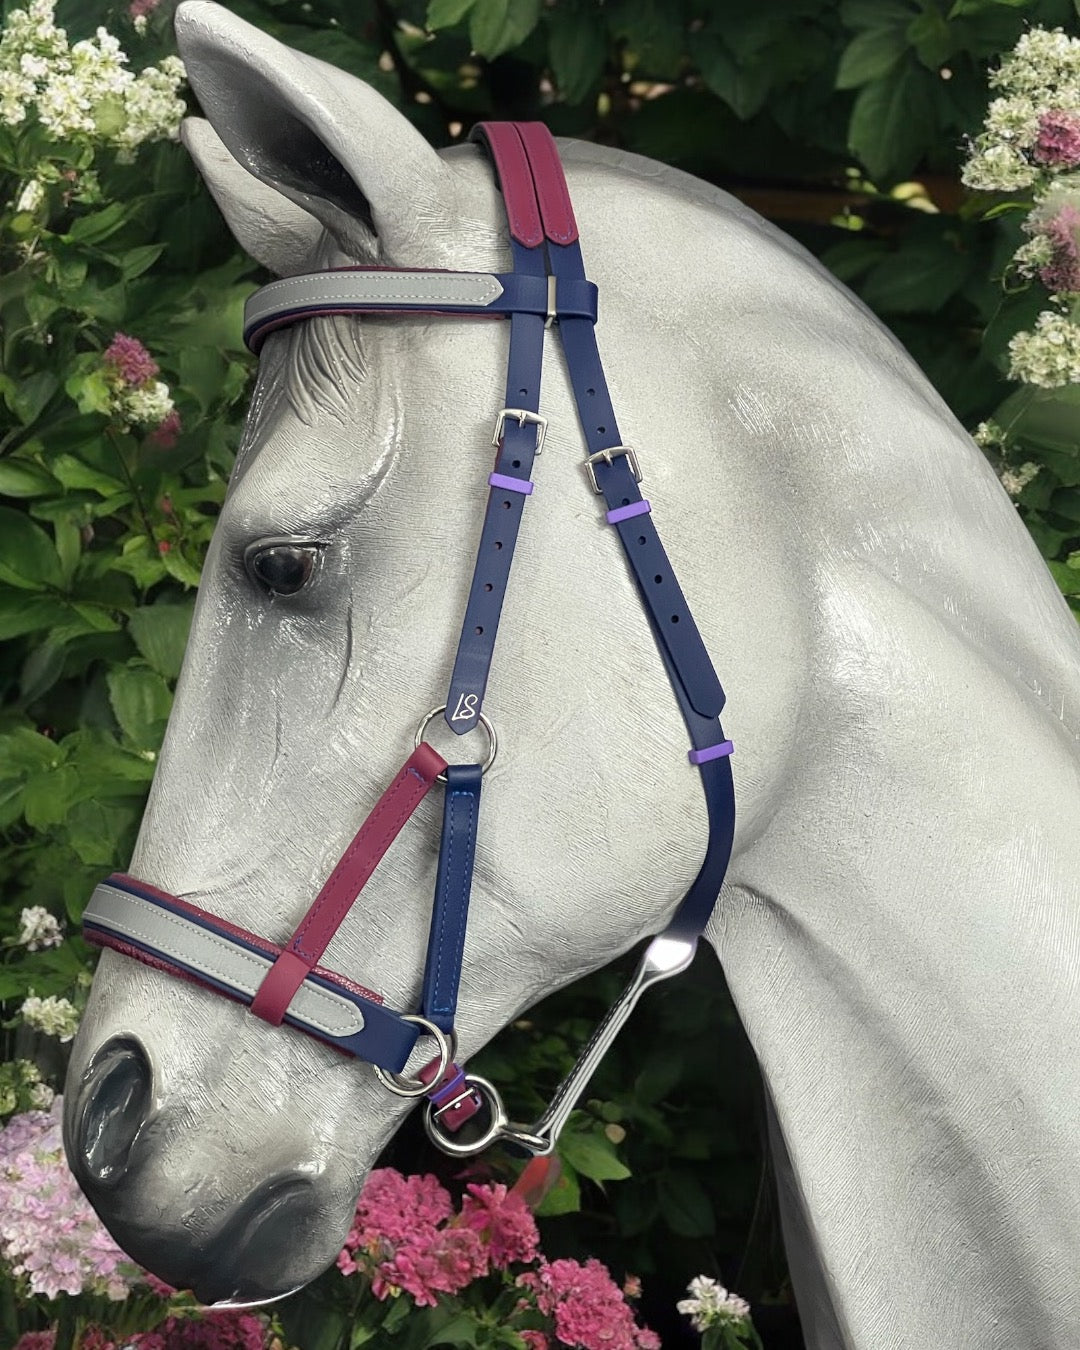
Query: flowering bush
1029,149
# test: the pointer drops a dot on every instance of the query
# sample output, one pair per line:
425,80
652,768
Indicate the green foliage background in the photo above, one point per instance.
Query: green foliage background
844,120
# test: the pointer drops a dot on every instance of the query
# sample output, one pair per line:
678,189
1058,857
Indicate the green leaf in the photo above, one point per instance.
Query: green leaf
133,262
23,478
99,225
75,473
592,1155
21,613
1067,578
870,55
919,277
743,87
25,751
932,38
563,1198
497,25
577,46
685,1206
178,566
49,796
141,701
90,391
160,633
99,831
891,122
446,13
27,556
27,398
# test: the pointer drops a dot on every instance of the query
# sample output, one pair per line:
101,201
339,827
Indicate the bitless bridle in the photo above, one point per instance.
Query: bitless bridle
287,984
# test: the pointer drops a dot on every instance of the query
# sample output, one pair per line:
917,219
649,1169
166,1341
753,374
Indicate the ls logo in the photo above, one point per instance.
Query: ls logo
466,708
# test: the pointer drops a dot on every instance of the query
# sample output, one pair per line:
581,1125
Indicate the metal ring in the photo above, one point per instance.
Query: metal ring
485,722
458,1148
401,1086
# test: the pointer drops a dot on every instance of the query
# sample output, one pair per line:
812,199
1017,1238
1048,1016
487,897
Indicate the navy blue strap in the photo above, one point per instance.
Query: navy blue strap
453,884
518,445
660,592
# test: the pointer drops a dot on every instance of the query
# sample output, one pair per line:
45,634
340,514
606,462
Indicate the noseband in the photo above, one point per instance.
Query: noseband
546,287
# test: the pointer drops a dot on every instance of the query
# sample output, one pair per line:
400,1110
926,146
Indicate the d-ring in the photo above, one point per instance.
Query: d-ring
401,1086
485,722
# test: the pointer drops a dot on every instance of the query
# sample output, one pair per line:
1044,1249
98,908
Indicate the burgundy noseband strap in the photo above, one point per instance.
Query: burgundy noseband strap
345,882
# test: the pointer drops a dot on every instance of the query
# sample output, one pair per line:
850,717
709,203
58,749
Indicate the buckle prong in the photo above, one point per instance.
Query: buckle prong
606,456
521,415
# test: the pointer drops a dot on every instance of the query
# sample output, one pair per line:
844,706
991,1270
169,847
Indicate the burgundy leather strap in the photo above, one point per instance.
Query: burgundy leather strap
547,174
345,882
515,179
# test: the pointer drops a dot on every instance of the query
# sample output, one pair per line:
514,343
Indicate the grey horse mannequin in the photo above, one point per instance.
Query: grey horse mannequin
900,926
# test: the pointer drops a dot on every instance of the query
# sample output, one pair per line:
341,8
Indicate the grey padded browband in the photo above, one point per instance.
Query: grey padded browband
208,955
470,290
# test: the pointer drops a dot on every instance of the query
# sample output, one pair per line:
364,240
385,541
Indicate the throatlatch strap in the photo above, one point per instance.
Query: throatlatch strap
453,884
345,882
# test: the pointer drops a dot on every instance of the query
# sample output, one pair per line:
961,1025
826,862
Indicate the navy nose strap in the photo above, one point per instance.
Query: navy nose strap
547,290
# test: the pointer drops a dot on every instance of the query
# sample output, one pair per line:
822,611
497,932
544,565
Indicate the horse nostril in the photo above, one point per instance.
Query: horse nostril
116,1100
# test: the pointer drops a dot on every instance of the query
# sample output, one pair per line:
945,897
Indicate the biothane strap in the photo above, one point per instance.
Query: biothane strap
374,290
519,435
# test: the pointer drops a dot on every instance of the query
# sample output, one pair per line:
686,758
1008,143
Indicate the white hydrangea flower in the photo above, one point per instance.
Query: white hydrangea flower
1013,119
38,928
1037,253
997,168
1042,58
1014,481
16,91
147,405
1048,356
152,109
54,1016
41,1096
988,435
710,1304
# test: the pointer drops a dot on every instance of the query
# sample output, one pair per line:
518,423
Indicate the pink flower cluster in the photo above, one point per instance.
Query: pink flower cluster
214,1331
130,361
1058,143
48,1232
1061,274
406,1236
139,397
586,1306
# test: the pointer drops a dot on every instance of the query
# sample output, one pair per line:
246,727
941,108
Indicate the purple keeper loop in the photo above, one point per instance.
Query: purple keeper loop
502,480
710,752
449,1089
620,513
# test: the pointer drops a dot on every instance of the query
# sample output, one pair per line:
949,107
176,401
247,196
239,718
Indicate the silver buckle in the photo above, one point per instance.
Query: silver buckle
522,415
612,452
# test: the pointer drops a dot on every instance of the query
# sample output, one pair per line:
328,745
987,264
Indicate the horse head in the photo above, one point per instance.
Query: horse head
873,607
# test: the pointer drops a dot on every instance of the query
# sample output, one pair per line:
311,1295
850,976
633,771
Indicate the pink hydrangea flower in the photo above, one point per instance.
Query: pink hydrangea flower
1062,273
130,360
503,1219
48,1231
139,9
535,1340
36,1340
212,1331
443,1264
587,1306
397,1208
165,433
1058,142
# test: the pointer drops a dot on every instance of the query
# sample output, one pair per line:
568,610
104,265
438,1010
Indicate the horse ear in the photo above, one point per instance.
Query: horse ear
267,225
315,135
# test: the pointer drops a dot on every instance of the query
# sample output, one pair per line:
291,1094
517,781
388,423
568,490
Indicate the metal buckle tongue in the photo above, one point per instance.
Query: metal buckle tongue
663,957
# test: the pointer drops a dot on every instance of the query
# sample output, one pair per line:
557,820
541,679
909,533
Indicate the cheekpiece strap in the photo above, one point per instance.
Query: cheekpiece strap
453,885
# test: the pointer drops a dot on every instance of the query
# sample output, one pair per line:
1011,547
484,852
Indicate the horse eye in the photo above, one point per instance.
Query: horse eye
283,569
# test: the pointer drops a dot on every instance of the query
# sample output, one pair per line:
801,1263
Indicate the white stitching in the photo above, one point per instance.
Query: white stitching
191,929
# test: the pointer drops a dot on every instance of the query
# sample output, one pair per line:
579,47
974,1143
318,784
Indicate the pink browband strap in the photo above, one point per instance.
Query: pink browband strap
345,882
